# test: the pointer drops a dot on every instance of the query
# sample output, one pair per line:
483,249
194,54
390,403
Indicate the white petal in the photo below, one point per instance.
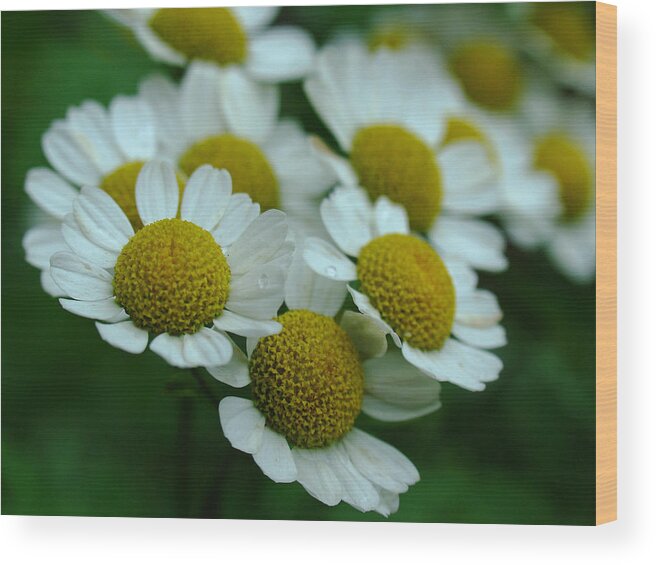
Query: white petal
101,219
169,348
358,491
363,304
124,335
50,286
242,423
379,462
478,309
396,391
157,192
206,348
254,18
257,294
389,503
244,326
84,247
275,459
200,101
258,243
106,310
464,278
235,372
347,215
478,243
41,243
50,192
390,217
328,261
68,156
133,125
368,337
239,215
316,475
250,108
487,338
206,197
340,166
79,279
280,54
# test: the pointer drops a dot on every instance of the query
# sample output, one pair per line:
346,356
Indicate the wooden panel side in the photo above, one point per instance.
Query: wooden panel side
606,199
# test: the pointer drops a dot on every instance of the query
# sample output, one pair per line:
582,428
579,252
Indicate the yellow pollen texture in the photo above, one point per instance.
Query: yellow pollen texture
489,74
250,169
389,160
210,34
407,282
172,277
308,380
120,184
561,156
570,25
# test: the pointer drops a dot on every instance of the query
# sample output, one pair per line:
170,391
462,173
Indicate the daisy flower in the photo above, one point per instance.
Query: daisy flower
198,267
236,36
92,146
561,37
226,120
309,383
388,111
428,305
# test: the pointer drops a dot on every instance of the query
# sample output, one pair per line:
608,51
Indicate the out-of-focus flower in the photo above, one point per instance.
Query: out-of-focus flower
92,146
224,119
200,266
308,384
413,294
389,113
236,36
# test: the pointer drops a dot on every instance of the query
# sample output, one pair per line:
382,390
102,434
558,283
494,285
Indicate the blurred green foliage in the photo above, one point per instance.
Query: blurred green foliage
90,430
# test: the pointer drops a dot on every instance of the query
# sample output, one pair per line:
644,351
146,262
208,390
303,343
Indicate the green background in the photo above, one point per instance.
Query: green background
90,430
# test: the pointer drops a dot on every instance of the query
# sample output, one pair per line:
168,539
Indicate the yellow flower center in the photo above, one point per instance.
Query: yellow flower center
120,184
308,380
490,74
245,161
461,129
569,24
407,282
172,277
394,38
391,161
563,157
210,34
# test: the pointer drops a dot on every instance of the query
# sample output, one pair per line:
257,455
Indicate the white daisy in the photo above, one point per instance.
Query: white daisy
235,36
412,294
226,120
388,111
199,267
92,146
308,385
561,37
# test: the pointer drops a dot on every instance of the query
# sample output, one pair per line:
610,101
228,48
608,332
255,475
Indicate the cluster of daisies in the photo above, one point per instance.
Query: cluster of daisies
334,276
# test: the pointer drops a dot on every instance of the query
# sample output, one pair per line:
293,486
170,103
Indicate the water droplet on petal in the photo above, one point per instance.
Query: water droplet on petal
263,281
331,271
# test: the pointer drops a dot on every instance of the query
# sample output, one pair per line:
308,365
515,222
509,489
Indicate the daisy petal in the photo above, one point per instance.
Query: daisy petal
357,489
101,219
390,217
206,348
258,294
235,372
367,336
133,125
255,17
200,101
106,310
241,212
85,248
124,335
242,423
347,213
316,475
280,54
328,261
41,243
363,304
275,459
50,286
169,348
339,166
206,197
245,326
50,192
65,154
486,338
478,309
79,279
157,193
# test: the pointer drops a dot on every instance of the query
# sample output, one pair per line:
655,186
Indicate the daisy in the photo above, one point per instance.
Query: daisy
236,36
92,146
226,120
388,111
428,305
309,383
561,37
199,267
